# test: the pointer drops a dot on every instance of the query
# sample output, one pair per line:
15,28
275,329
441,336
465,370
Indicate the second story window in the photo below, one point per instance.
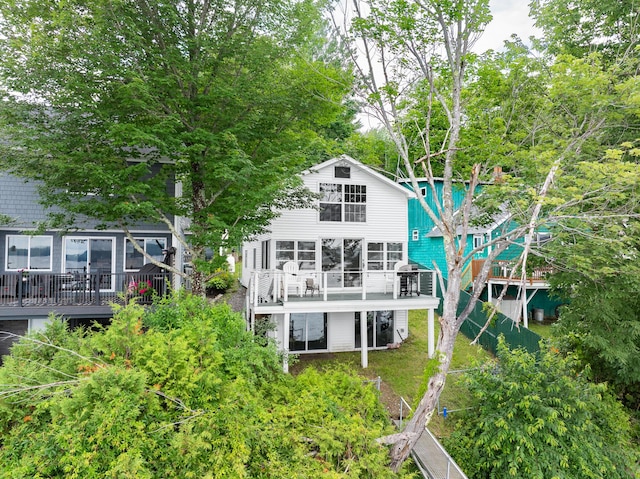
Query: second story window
28,252
134,260
343,203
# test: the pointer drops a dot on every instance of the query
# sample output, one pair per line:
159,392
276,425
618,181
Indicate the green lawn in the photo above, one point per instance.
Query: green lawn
402,369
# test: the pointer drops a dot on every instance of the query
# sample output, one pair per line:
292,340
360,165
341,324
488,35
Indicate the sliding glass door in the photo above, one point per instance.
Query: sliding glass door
90,255
342,260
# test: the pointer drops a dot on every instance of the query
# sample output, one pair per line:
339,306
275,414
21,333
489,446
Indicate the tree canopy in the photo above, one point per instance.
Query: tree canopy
539,417
139,111
180,391
545,117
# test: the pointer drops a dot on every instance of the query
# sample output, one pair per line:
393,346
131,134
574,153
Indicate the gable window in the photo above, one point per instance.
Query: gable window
28,252
381,256
342,172
343,203
134,260
423,191
415,235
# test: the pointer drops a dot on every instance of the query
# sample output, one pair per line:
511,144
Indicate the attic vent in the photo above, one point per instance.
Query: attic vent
342,172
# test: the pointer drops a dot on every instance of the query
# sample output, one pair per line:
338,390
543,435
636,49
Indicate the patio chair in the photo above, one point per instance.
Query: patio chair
392,278
310,285
292,278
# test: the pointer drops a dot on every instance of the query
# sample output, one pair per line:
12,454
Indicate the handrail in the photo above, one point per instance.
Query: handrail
403,402
443,452
467,276
272,286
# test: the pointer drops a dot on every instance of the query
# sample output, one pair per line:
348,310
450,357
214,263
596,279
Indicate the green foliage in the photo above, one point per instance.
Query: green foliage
539,417
430,368
222,281
215,96
176,391
578,27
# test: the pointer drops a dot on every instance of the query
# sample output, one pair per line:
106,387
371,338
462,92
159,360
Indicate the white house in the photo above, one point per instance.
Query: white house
321,271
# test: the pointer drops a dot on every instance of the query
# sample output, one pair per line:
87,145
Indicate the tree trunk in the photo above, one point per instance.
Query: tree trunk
198,286
428,404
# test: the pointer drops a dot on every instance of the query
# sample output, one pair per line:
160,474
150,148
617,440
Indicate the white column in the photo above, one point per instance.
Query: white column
525,302
285,342
364,341
178,259
431,342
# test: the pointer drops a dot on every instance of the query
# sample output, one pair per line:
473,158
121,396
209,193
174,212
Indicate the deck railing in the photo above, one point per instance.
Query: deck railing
274,286
502,270
24,289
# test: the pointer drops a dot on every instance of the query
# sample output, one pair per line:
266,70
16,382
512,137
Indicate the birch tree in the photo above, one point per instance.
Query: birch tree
403,50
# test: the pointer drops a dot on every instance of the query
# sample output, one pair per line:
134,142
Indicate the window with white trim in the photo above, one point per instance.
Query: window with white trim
380,328
382,256
28,252
134,260
343,203
415,235
478,241
302,252
542,238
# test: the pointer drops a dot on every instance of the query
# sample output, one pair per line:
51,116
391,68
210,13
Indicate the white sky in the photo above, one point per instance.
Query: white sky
509,16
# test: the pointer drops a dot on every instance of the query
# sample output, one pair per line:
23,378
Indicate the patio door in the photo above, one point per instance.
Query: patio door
90,255
342,260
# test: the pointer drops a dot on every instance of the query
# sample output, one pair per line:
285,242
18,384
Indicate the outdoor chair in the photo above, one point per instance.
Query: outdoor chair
292,278
392,278
310,285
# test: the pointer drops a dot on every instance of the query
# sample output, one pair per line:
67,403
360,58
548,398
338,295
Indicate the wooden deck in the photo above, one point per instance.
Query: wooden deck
501,271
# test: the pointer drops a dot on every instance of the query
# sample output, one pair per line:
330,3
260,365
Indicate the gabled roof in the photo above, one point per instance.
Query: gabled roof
496,220
345,159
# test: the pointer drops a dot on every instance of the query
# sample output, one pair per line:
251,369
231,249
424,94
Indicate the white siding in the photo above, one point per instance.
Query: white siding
386,222
341,331
38,324
387,218
401,319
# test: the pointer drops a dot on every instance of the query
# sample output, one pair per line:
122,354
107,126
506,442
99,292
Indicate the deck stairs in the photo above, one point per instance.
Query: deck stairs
430,456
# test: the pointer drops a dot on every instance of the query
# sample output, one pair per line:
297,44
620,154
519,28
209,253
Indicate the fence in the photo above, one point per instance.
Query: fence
515,337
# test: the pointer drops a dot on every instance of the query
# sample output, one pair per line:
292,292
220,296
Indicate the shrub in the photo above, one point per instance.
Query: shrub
221,282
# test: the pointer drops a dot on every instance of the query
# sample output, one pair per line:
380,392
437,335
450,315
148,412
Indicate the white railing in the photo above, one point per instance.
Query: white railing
272,286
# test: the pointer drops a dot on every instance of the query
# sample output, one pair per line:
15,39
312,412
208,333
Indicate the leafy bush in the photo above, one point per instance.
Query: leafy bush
222,281
181,390
538,417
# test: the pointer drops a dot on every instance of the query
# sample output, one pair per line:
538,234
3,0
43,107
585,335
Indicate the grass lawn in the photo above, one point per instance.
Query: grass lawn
402,369
544,329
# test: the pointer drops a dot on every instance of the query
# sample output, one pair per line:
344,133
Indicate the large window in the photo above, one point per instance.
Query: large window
308,331
28,252
342,260
134,260
383,256
90,255
343,203
380,327
302,252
